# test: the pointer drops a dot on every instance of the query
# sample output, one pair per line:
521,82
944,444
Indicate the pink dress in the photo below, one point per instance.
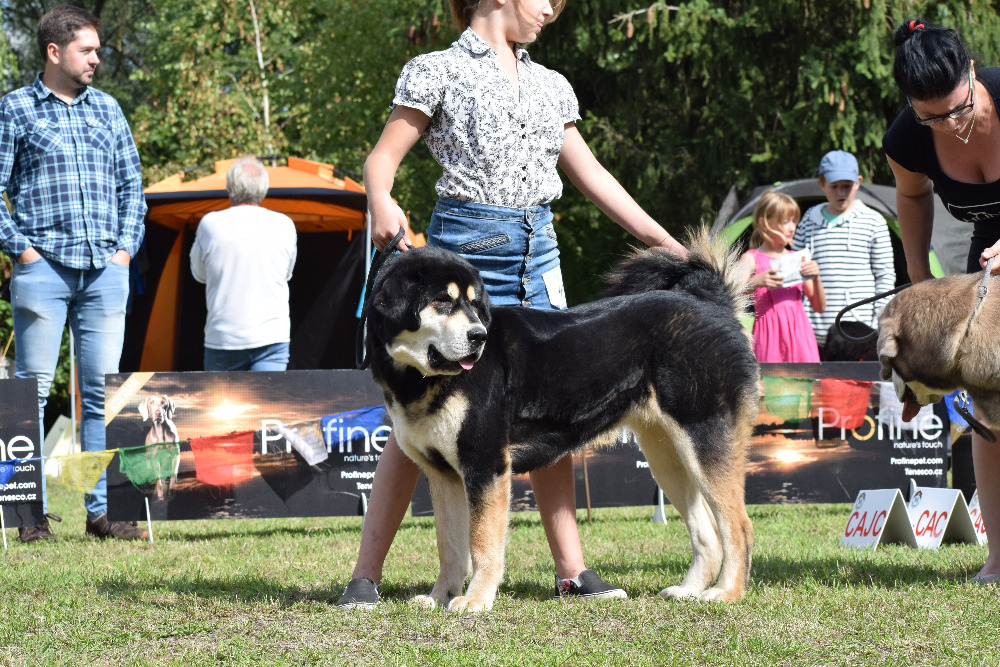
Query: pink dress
781,330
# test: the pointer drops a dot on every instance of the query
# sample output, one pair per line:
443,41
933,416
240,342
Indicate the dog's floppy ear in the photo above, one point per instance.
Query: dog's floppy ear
169,404
888,349
143,410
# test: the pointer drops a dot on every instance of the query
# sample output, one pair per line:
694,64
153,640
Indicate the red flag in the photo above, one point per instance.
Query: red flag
223,459
849,398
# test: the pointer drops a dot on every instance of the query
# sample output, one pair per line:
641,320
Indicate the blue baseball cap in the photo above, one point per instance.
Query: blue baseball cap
838,166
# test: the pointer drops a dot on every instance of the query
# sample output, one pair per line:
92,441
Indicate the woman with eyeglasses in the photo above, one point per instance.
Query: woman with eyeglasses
948,139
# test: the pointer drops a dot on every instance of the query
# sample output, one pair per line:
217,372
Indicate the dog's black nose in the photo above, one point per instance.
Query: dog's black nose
477,335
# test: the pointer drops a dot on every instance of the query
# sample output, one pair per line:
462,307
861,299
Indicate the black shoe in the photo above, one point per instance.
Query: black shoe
587,585
119,530
40,532
360,592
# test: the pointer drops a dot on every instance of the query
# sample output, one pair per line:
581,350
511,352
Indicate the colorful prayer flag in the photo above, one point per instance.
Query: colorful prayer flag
343,427
788,398
847,401
6,472
81,471
144,465
222,460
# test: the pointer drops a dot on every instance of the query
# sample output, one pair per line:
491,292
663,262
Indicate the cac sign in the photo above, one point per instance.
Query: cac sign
938,516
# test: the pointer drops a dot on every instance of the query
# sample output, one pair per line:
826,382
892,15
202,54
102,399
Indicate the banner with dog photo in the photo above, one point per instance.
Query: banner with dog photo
823,433
231,445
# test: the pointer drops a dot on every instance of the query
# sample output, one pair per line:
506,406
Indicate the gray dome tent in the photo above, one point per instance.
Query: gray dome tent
949,240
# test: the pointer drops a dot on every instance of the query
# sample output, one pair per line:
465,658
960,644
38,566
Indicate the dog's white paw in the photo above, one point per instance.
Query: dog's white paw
680,593
718,595
467,604
424,601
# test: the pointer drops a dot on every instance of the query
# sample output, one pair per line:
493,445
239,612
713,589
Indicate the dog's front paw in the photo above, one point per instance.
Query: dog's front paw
467,604
720,595
424,601
680,593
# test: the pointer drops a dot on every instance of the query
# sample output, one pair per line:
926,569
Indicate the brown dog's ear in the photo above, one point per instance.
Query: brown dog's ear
888,349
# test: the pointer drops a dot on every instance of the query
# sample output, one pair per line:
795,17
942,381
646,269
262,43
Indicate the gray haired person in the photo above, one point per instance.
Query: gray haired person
245,255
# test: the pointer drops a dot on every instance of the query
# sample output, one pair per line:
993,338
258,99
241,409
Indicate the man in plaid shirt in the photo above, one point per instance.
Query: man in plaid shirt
71,171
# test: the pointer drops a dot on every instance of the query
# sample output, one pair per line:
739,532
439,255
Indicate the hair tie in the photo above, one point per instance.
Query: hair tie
914,25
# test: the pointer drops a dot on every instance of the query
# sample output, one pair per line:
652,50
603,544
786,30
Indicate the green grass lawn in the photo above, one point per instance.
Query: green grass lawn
263,592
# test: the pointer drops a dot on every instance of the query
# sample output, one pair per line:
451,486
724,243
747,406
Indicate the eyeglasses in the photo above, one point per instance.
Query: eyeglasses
958,112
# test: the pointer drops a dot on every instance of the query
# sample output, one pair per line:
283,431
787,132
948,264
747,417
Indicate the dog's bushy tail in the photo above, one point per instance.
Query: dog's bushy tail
713,271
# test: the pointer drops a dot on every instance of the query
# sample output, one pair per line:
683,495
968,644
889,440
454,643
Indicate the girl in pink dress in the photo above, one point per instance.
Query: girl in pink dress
781,329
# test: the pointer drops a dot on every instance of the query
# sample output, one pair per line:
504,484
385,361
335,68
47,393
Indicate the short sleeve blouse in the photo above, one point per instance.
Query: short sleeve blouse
493,148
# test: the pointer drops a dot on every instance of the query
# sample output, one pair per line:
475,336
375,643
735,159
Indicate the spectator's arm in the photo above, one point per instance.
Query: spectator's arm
882,269
11,238
915,211
128,181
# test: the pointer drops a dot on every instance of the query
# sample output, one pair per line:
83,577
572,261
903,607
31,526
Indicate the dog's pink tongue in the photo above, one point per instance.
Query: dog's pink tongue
910,408
466,363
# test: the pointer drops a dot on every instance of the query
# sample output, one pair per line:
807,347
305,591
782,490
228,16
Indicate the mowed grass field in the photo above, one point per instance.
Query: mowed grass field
263,591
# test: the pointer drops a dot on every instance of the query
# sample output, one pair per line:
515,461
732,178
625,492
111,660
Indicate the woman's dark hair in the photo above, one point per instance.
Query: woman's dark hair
463,11
930,62
59,26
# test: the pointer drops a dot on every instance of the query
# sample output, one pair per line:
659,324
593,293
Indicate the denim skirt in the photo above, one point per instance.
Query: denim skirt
514,250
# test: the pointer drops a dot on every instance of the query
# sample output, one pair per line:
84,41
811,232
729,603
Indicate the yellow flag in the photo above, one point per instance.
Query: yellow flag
82,471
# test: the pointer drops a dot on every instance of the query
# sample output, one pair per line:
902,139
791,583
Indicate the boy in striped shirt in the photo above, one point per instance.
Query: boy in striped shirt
850,242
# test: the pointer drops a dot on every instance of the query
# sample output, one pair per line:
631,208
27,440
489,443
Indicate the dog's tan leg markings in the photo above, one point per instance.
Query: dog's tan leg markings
711,500
487,537
682,491
451,524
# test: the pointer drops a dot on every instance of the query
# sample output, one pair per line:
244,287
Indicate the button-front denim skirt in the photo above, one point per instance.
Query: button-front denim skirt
515,250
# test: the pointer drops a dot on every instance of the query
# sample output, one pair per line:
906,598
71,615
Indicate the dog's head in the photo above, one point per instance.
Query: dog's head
897,367
429,311
159,408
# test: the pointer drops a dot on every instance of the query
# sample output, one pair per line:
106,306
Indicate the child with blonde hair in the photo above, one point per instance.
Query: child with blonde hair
781,329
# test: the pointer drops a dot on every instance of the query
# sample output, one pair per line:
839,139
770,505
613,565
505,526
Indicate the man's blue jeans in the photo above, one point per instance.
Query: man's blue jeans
273,357
43,295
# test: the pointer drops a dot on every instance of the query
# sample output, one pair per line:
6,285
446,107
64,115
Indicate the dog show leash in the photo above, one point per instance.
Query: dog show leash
962,402
852,306
361,359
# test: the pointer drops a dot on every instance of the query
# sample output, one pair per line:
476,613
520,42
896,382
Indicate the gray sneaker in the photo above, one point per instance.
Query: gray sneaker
587,585
360,592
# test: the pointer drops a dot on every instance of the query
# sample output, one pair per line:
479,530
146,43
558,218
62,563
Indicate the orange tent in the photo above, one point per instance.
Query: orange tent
164,329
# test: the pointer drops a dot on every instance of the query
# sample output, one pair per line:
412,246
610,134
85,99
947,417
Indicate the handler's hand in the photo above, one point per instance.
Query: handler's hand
992,251
387,218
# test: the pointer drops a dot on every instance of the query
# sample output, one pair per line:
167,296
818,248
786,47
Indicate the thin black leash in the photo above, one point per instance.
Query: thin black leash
361,359
961,401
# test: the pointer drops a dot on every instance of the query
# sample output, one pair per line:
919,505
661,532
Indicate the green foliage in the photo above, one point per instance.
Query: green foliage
709,94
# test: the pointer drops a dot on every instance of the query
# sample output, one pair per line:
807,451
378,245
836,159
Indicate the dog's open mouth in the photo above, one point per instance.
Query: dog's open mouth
442,364
910,405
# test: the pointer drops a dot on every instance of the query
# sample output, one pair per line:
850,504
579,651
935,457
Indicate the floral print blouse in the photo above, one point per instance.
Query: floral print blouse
494,148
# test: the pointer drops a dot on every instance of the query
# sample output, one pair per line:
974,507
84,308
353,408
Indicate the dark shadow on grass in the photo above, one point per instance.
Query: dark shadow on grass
236,588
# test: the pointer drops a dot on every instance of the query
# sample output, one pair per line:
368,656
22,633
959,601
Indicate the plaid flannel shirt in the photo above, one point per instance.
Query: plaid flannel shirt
72,174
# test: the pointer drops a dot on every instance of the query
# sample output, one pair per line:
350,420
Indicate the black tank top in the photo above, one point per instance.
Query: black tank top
911,146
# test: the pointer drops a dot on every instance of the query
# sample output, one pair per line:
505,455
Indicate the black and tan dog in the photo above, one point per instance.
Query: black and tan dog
933,340
477,394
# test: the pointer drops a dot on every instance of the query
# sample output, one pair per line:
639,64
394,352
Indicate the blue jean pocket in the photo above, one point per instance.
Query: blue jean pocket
488,243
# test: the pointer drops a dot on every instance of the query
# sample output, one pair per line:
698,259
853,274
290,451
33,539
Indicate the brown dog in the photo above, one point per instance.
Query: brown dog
933,339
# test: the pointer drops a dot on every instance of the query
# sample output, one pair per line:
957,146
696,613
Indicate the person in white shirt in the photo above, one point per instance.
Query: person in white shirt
245,255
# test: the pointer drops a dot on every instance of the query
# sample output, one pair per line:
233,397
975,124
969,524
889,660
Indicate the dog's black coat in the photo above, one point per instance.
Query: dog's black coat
548,382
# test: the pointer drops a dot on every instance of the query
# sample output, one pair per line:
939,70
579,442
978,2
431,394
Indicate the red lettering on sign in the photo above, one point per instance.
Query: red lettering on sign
858,524
931,523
